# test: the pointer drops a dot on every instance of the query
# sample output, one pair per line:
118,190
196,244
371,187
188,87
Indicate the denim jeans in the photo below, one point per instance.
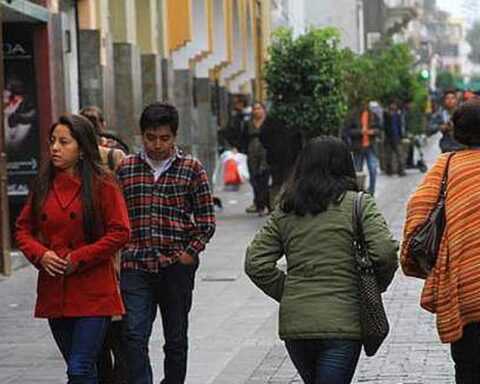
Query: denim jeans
170,290
368,154
80,340
329,361
466,355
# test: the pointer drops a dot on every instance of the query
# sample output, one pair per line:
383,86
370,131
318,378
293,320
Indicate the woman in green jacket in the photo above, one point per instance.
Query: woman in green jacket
318,294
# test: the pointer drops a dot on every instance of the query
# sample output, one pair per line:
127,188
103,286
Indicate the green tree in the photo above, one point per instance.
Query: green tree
305,77
447,80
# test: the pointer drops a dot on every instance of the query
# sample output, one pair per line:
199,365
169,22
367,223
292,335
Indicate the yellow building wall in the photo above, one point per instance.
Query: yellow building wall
179,23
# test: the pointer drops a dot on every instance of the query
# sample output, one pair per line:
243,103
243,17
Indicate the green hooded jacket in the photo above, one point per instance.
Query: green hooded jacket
318,294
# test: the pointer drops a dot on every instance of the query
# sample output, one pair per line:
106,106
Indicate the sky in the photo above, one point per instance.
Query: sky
454,7
469,9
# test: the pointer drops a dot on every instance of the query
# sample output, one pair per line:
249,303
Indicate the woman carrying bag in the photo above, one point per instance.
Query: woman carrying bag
452,286
319,294
70,228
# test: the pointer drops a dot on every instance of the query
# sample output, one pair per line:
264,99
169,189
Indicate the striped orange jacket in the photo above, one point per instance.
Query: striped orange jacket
452,289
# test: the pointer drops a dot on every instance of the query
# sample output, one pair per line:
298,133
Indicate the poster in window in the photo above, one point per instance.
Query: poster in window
20,108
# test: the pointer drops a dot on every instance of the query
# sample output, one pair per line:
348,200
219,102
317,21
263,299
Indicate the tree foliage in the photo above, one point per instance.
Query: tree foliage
447,80
305,79
383,76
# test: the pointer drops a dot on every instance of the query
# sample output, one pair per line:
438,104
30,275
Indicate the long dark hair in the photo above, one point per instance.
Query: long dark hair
323,173
89,167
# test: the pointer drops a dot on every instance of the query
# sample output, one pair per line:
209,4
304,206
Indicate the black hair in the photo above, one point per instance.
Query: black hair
323,172
89,168
159,114
466,123
449,92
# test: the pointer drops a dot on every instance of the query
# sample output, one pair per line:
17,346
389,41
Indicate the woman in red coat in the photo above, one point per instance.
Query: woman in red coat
72,225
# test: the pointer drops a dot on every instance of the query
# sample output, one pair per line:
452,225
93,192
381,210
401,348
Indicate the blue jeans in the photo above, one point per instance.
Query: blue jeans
359,157
329,361
466,355
170,290
80,340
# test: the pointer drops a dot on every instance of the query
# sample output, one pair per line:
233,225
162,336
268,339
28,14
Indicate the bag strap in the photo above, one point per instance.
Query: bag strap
361,254
443,187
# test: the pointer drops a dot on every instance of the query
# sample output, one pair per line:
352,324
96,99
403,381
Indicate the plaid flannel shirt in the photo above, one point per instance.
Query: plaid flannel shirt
169,215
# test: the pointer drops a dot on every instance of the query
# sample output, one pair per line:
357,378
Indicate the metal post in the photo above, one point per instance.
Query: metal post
5,261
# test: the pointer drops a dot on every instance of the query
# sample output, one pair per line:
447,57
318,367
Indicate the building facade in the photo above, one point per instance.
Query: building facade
121,55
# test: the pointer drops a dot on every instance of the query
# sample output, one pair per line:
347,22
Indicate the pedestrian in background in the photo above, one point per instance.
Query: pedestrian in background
318,293
172,215
112,368
236,130
443,120
106,140
367,132
70,228
257,159
451,289
111,156
393,127
282,146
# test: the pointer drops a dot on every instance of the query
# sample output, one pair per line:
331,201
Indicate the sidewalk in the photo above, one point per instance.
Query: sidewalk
233,328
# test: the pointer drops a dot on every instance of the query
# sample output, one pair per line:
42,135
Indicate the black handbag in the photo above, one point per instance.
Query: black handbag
425,242
373,319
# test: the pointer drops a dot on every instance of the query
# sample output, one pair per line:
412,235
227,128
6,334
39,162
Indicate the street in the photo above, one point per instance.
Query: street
233,326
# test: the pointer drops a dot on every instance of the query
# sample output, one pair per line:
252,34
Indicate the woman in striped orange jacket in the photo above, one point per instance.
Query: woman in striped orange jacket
452,288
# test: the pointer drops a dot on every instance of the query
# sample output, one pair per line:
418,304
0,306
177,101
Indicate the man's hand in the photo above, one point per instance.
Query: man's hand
187,259
53,264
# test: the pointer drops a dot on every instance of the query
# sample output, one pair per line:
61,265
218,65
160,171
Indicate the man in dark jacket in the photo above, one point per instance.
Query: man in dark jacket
393,128
236,131
283,146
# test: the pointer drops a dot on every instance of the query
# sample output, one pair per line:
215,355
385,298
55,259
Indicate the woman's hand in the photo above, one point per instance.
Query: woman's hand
53,264
70,267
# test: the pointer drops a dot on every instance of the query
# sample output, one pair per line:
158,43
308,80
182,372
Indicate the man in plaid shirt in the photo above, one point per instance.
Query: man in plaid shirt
172,218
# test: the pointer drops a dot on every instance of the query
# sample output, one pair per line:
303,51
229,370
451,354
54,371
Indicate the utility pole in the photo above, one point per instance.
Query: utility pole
5,261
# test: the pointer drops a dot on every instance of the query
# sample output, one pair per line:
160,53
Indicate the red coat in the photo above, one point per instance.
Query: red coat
92,289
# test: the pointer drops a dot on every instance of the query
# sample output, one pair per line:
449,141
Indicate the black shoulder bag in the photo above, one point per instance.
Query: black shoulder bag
373,319
425,242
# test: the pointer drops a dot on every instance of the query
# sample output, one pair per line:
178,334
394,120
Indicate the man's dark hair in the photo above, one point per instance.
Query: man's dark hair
323,172
449,92
158,114
241,98
466,123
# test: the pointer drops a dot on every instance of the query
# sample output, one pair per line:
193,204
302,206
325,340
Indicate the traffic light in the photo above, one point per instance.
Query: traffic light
425,74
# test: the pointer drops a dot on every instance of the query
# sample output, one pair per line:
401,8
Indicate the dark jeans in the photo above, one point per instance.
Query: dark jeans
112,367
142,292
261,196
368,154
466,355
397,150
331,361
80,340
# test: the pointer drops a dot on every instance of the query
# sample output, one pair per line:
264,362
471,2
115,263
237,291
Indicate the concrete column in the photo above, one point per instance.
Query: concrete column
152,89
206,128
147,36
224,106
168,81
91,76
183,96
127,70
128,89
